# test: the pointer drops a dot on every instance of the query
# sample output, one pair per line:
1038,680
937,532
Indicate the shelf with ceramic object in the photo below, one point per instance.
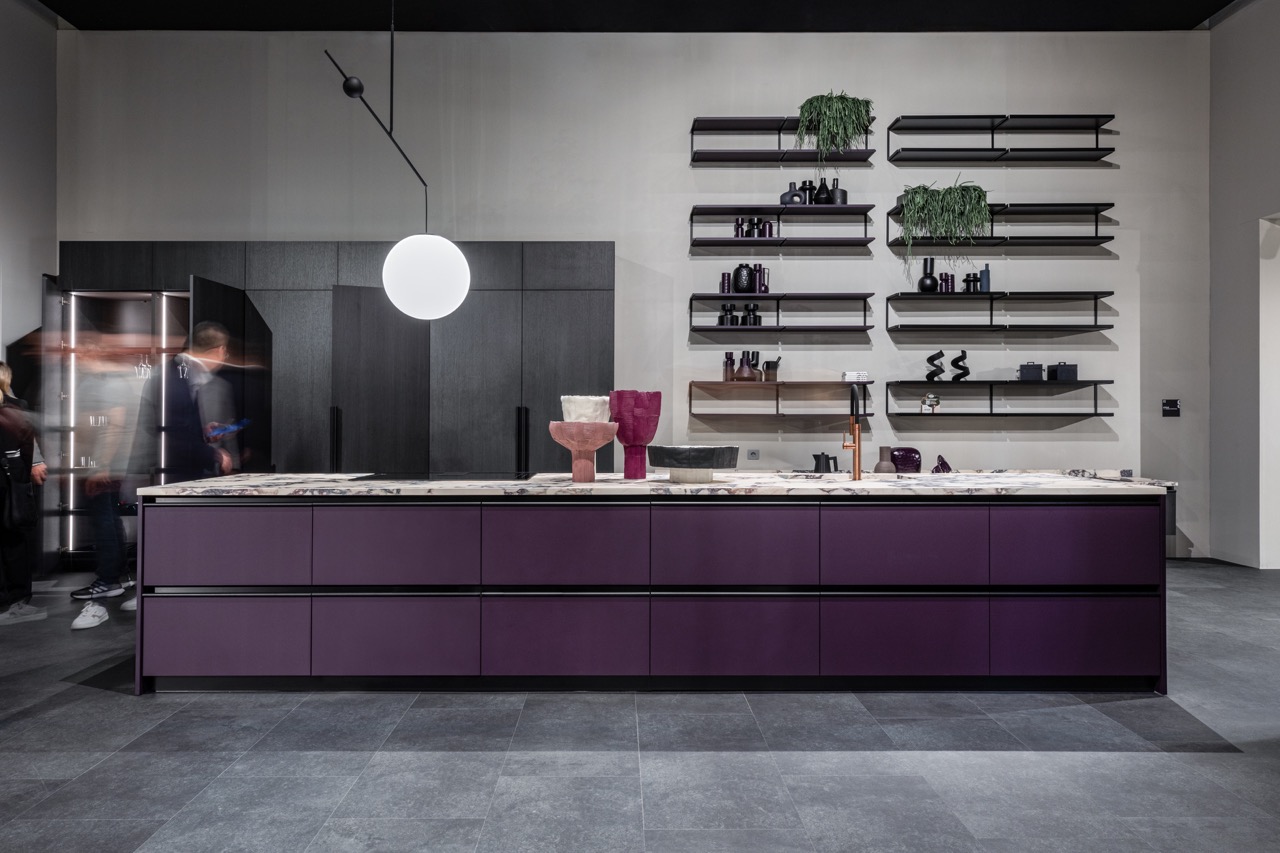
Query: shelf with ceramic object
1058,212
994,296
943,387
779,325
991,125
778,390
780,213
760,126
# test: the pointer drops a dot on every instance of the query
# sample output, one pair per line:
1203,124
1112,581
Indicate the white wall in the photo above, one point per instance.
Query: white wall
585,137
1268,398
1245,176
28,165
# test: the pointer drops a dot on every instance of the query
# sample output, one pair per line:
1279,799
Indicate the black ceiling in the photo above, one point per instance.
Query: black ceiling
642,15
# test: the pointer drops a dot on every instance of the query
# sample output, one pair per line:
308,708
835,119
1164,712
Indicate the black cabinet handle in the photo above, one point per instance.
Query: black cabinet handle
522,440
335,440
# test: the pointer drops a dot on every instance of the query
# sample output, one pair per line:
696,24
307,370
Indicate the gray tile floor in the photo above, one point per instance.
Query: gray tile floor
84,766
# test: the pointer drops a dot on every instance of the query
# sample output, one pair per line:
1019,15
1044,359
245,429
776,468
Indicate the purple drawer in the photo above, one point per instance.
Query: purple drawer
735,636
227,636
429,635
905,546
589,545
564,635
905,636
1076,636
397,545
735,545
1077,545
221,546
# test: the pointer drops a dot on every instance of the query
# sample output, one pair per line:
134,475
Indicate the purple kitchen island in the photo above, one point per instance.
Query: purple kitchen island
757,580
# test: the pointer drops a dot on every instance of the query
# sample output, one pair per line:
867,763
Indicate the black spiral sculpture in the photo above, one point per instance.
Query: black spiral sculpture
958,364
937,370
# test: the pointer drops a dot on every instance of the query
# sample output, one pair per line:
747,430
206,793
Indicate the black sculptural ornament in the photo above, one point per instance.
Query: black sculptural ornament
942,467
958,364
937,369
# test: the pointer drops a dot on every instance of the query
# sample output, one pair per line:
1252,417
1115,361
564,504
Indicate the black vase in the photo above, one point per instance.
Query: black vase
928,282
792,196
807,188
838,196
822,195
744,279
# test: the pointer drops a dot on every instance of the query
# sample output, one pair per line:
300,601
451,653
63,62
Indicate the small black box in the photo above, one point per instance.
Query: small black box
1063,372
1030,372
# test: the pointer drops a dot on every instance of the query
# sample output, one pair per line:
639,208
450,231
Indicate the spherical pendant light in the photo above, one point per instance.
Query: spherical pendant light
426,276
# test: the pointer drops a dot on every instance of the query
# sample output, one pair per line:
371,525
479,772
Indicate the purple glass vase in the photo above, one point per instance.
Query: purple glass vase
637,415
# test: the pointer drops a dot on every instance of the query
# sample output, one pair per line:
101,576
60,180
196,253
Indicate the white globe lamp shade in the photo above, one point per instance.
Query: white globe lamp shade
426,276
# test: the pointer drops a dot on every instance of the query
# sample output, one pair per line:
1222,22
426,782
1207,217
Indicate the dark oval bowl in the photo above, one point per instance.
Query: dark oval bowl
693,456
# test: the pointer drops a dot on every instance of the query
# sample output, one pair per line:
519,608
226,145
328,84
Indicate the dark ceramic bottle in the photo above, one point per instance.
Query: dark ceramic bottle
752,317
838,196
822,195
744,279
928,282
744,373
726,371
807,188
726,282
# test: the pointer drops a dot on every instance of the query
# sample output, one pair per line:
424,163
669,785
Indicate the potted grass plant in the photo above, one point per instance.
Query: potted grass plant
832,122
956,213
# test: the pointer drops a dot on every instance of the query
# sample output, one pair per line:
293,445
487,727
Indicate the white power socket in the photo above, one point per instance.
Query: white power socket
753,455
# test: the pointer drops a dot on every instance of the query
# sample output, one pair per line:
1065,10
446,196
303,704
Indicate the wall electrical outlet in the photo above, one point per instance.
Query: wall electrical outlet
753,455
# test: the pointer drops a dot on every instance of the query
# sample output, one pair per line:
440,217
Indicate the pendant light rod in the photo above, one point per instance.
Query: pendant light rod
355,89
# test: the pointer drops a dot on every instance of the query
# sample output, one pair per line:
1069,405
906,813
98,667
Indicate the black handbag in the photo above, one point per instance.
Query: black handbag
19,510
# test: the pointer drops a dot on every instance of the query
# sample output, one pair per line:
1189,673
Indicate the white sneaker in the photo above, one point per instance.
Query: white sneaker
131,604
91,616
22,612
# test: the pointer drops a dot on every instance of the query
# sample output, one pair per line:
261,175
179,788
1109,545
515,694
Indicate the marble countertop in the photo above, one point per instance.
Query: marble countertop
765,483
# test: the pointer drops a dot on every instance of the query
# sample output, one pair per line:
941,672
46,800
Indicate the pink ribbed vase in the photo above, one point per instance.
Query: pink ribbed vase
583,439
637,415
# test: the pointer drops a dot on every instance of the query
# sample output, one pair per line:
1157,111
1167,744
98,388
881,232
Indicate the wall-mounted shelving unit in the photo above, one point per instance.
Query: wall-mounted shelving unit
1058,212
782,212
992,386
778,324
779,389
760,125
991,298
1000,124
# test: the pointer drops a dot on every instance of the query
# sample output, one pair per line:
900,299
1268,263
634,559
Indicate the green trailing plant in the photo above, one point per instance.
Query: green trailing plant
833,122
956,213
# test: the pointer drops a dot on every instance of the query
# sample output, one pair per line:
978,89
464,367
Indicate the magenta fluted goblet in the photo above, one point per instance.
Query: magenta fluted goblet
637,415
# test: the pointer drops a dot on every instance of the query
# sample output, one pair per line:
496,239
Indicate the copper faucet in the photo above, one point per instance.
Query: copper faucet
855,432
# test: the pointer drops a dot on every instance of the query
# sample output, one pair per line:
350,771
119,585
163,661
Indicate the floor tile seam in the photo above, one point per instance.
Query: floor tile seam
337,804
640,771
773,759
493,792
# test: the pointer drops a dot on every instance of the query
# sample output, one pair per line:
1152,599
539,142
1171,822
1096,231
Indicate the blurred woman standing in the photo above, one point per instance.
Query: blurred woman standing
21,468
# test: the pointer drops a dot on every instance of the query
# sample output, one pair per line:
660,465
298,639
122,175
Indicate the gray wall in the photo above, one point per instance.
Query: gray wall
247,136
28,166
1245,177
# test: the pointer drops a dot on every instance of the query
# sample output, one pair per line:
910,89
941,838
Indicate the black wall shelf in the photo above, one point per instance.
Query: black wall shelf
993,124
1056,211
778,325
778,388
994,296
755,156
991,386
783,212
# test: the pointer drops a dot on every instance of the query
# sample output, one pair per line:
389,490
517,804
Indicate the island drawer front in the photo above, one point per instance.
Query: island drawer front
583,545
422,635
227,636
760,635
1076,545
905,636
708,545
226,546
397,545
905,546
1076,636
564,635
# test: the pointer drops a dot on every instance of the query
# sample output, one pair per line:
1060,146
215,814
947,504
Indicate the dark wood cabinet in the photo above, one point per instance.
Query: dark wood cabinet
1050,545
419,635
899,635
714,545
231,636
555,635
713,635
227,546
413,545
904,546
589,546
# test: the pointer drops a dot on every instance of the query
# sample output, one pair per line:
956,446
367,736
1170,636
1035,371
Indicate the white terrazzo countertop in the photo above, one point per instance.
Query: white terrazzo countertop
1029,483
